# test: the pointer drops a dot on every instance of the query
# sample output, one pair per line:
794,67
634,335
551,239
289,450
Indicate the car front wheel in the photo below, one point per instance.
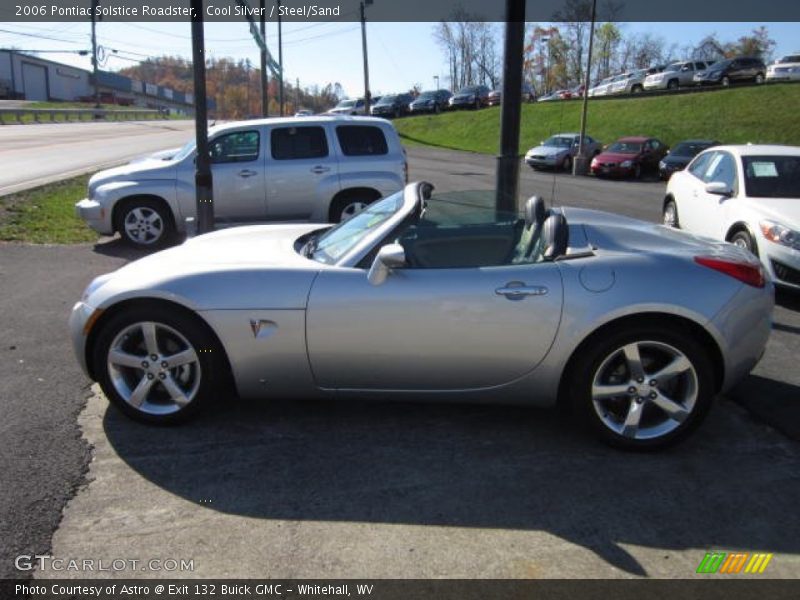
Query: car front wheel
744,240
643,388
567,163
670,215
157,365
144,222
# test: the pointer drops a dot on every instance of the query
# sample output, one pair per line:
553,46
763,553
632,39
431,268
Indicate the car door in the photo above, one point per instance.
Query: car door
708,209
237,167
687,192
459,316
302,171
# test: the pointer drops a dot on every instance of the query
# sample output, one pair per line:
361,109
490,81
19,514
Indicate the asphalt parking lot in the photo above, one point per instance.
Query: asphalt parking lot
349,489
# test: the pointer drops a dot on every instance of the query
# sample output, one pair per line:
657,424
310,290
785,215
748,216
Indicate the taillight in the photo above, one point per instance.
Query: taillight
749,273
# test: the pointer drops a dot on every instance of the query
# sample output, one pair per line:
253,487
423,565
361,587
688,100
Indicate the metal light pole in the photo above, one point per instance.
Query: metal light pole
580,166
280,59
507,176
202,175
264,81
95,4
436,78
367,95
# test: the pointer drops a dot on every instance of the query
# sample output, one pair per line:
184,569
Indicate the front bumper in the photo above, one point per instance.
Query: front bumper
465,103
784,76
615,171
543,161
782,263
81,313
95,215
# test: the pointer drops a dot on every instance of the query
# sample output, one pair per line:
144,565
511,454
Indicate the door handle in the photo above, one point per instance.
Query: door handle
516,290
320,169
246,173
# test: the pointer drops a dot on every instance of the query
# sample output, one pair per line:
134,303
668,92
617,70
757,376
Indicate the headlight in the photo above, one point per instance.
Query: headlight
780,234
662,164
594,162
626,164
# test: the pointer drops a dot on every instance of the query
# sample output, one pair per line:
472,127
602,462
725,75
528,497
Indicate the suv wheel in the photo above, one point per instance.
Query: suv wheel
637,89
144,222
346,208
437,109
672,84
726,81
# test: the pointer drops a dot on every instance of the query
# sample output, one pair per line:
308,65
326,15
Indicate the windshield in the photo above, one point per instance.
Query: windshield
387,99
626,147
689,148
792,58
469,90
336,242
559,141
346,104
187,149
718,66
674,67
772,176
427,96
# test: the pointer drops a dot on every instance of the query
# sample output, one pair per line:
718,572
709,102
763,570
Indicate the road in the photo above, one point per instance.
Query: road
32,155
350,489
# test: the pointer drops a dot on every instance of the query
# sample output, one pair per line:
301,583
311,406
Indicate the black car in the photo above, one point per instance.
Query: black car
431,101
681,155
474,96
732,70
391,105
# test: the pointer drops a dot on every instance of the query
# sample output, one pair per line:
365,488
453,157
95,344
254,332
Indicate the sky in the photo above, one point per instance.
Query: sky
401,55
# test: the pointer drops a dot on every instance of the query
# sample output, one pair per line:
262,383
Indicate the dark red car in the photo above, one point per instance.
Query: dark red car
629,157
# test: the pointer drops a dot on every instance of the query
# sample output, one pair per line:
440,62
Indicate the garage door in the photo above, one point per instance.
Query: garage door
34,80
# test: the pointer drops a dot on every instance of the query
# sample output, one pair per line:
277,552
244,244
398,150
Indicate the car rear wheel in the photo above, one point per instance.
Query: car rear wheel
157,365
643,388
144,222
743,239
637,89
670,215
672,84
726,81
346,208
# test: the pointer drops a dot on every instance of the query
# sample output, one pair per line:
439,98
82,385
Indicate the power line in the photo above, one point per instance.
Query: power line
40,37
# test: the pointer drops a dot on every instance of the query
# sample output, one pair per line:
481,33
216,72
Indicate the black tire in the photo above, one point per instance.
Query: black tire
396,114
567,164
637,172
602,358
726,81
672,84
743,239
144,222
198,381
637,89
759,78
669,215
437,109
344,207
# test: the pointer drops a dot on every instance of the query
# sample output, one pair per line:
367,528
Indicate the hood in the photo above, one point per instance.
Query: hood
783,210
676,159
547,151
163,155
145,168
614,157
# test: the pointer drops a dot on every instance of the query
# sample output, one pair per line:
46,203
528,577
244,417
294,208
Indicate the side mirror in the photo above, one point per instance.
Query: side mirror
718,188
389,257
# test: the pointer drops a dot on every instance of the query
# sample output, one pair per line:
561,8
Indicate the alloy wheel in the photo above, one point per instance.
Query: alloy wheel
143,225
644,390
154,368
352,209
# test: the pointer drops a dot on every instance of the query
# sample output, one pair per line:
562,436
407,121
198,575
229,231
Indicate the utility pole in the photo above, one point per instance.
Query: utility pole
367,95
436,79
507,175
264,81
95,4
580,166
202,175
297,94
280,59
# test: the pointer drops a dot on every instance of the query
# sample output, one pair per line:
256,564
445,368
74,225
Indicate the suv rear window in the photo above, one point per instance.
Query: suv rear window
361,140
298,142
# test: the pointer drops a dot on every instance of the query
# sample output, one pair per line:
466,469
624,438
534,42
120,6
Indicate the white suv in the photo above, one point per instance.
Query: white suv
747,195
675,75
318,169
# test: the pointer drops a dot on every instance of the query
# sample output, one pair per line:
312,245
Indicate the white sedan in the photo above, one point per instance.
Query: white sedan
748,195
786,68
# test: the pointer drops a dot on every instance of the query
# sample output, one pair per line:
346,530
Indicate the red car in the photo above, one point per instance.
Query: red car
629,157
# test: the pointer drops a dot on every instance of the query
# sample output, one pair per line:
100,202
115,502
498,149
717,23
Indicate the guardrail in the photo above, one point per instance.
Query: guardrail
18,115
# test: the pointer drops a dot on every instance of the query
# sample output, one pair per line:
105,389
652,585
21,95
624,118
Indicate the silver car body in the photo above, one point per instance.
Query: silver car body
787,68
675,75
628,83
720,216
550,156
265,189
295,327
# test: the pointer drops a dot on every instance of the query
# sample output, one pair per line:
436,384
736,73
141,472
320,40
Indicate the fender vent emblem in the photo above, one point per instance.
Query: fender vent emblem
262,328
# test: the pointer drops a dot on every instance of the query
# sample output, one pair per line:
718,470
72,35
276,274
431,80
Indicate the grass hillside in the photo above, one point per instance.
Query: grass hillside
763,114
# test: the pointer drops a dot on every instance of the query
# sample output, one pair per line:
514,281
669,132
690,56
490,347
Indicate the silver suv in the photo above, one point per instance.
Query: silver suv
675,75
318,169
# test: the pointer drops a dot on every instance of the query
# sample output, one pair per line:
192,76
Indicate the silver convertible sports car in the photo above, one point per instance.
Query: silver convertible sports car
633,325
